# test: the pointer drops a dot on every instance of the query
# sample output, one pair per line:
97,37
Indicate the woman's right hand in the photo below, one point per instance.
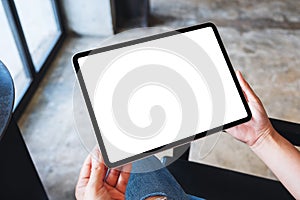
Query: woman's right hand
259,127
274,150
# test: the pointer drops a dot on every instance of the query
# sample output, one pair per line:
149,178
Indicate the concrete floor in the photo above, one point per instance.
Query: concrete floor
263,41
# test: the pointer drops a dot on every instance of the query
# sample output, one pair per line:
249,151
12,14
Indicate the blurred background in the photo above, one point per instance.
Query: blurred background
38,39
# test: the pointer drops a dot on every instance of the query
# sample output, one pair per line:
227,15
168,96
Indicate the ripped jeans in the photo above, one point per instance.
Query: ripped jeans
154,183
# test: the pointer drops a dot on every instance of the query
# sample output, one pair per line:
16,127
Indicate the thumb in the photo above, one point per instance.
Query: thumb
98,171
248,91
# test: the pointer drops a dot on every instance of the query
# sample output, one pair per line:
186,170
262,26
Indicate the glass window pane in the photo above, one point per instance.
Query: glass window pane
9,55
40,27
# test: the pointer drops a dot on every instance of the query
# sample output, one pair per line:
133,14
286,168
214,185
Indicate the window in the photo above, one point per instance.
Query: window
39,26
9,54
30,35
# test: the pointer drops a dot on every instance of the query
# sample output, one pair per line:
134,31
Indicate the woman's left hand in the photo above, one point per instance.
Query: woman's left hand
93,184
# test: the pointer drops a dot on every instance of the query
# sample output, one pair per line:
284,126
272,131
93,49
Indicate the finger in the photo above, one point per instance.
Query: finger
98,171
245,96
113,177
114,194
85,172
251,96
124,178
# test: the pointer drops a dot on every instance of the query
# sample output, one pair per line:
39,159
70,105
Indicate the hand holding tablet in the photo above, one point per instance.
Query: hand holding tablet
158,92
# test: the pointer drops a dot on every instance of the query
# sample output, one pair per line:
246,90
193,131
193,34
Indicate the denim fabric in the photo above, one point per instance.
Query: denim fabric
153,183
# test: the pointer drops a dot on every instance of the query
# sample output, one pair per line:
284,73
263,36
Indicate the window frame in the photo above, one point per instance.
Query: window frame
26,58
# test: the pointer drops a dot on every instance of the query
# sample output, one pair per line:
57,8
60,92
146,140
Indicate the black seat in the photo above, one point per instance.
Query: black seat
18,176
215,183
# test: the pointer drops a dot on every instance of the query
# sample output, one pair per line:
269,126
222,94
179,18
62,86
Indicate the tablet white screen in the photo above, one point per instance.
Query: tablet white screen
148,94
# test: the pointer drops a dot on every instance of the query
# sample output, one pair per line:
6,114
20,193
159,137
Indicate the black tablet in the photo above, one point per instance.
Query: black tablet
157,92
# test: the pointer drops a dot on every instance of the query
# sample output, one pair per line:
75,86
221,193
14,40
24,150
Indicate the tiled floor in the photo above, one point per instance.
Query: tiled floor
262,40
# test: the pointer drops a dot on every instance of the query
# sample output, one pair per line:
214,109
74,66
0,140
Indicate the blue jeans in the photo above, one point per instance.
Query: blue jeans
154,183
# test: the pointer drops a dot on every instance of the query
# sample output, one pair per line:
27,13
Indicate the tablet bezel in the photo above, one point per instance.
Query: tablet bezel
79,55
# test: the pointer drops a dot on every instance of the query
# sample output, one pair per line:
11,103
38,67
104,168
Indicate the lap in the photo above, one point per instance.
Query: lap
144,182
